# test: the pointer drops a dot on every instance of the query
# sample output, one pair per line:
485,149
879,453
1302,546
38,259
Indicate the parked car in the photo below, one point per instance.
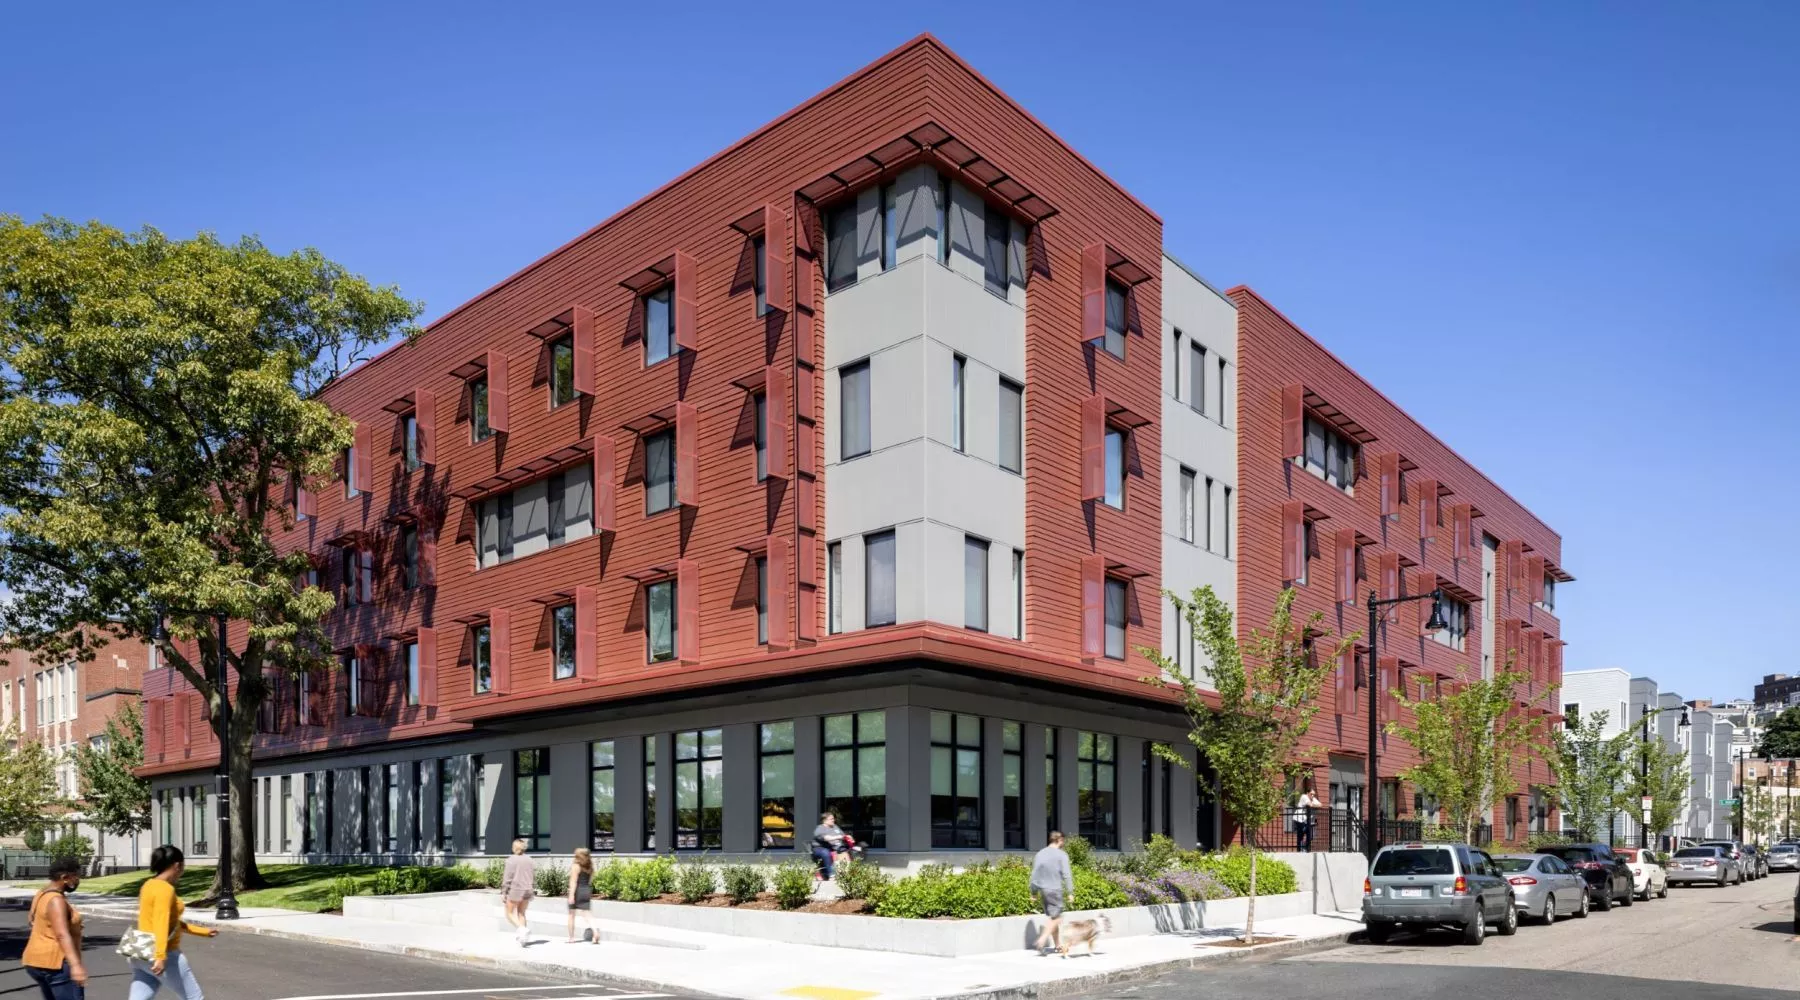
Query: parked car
1797,907
1607,875
1738,853
1544,888
1647,875
1784,857
1704,864
1437,885
1762,860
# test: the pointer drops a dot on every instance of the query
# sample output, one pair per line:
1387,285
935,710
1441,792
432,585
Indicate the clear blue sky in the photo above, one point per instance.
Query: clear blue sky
1566,240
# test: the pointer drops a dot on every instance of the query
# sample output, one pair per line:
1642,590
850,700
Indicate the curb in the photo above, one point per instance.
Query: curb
1150,970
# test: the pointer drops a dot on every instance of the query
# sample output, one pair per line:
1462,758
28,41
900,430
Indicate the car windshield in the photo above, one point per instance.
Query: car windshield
1573,855
1415,861
1697,852
1783,849
1508,866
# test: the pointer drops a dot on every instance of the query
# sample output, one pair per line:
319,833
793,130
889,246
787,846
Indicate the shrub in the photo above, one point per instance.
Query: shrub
459,876
793,884
1080,852
695,882
35,838
1544,839
386,883
552,879
1094,892
342,887
71,845
1232,869
1177,886
744,883
493,873
1162,852
647,879
860,880
609,878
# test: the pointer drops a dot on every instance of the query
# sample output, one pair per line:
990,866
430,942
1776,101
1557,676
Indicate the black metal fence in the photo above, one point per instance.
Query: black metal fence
1339,829
36,864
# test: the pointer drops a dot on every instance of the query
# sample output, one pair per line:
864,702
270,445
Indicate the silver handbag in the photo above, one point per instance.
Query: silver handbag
137,944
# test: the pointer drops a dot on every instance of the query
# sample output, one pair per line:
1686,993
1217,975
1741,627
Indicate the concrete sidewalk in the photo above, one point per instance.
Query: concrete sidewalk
684,962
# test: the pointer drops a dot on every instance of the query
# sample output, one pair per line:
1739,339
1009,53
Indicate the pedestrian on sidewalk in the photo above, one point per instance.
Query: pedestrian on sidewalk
159,915
1303,816
827,841
581,895
1051,877
518,883
53,952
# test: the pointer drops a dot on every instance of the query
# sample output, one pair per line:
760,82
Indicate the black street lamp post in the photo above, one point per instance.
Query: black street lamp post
1644,778
1741,785
228,904
1371,828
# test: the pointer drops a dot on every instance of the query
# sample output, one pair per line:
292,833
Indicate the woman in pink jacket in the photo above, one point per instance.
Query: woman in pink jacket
518,883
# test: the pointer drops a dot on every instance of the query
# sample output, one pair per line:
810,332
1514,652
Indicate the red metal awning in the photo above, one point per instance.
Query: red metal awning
650,423
555,326
1123,269
401,404
350,538
1120,415
932,142
1324,409
652,574
471,368
753,382
554,597
650,277
533,469
1124,570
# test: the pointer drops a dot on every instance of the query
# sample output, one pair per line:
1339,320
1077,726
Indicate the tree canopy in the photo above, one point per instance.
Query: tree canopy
1781,737
1591,771
114,798
27,784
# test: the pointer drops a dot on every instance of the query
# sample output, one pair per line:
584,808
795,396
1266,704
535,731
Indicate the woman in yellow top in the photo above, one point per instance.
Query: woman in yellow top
53,954
159,914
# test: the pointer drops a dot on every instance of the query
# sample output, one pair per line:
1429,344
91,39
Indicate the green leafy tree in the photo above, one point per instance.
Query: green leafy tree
1659,770
27,784
115,799
157,397
1591,772
1781,737
1268,690
1470,743
1759,812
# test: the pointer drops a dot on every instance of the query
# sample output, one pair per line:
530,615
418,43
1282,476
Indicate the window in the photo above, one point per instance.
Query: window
1050,824
762,436
562,371
659,472
287,809
1012,426
1206,522
660,626
503,534
1227,536
1329,455
834,587
956,781
1197,377
1175,353
1456,615
303,699
699,790
390,812
483,662
855,748
165,801
775,785
531,518
477,815
762,599
350,490
1115,618
198,798
878,583
1308,544
1549,601
840,246
975,583
761,280
1096,773
997,226
349,570
479,428
531,798
353,694
959,380
1115,468
890,228
556,522
1117,301
943,219
1223,399
1012,783
562,642
446,806
409,437
409,557
853,405
649,793
601,791
1187,504
659,325
1018,575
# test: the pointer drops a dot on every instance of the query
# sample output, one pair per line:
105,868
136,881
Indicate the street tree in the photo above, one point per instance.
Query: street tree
1470,742
113,796
27,784
1268,692
1759,812
158,399
1591,773
1781,737
1659,770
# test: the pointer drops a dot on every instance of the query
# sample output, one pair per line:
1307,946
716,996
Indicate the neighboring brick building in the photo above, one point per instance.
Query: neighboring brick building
845,470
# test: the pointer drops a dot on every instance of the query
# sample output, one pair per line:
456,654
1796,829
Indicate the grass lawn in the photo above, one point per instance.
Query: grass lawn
291,887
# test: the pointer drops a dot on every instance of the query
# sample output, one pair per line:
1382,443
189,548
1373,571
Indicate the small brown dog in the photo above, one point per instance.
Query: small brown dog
1078,932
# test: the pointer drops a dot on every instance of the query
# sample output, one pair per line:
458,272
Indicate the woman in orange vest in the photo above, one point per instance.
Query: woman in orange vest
159,915
53,954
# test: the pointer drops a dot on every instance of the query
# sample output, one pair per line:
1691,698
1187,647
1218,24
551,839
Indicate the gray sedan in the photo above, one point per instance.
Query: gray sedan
1544,887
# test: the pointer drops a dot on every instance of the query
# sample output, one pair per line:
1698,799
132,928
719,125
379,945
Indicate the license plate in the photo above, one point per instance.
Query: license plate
1411,892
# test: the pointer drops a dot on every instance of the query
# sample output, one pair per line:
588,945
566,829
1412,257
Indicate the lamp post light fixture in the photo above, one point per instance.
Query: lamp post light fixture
159,632
1372,779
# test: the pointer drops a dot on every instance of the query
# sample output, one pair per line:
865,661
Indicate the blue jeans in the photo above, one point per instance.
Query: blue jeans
56,983
823,857
177,977
1303,836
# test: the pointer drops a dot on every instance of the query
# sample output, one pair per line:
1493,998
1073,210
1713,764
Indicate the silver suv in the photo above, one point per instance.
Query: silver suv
1437,885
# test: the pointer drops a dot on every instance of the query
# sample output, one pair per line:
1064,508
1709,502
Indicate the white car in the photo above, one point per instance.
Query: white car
1648,876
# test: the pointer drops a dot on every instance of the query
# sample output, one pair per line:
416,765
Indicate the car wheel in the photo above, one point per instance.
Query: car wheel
1475,930
1380,932
1549,916
1509,924
1582,911
1606,900
1664,894
1629,896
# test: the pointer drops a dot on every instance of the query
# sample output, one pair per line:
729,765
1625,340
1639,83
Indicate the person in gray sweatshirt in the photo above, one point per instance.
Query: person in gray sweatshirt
1051,878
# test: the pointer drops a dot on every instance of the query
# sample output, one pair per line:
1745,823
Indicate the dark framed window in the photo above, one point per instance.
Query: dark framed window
479,428
834,588
562,642
531,798
562,371
287,809
409,437
959,388
890,227
659,472
1118,303
997,226
762,599
366,788
1012,426
1456,615
761,403
1018,574
309,803
1197,377
556,494
349,572
390,812
649,793
659,325
481,652
350,490
975,583
943,219
853,407
1226,538
775,785
409,557
855,773
1187,504
477,821
420,842
761,280
1223,399
198,798
840,246
446,805
1115,468
1012,786
1050,823
330,811
699,790
1096,780
353,691
659,624
1329,454
879,585
602,803
956,782
1116,600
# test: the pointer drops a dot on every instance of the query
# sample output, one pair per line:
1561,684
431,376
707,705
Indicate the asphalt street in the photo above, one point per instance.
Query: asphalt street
252,967
1701,943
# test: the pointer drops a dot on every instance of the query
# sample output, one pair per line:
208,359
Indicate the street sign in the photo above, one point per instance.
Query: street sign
1728,802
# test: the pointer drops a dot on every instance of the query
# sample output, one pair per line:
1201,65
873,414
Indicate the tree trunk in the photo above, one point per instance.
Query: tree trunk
1250,912
244,873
